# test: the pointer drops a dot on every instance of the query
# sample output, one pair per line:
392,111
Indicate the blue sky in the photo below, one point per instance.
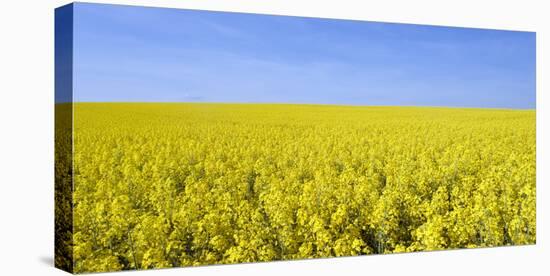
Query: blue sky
139,54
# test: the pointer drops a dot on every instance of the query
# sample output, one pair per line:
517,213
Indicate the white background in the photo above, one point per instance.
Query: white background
26,135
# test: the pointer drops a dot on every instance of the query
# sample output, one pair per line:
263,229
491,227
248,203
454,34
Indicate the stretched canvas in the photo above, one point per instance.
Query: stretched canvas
188,138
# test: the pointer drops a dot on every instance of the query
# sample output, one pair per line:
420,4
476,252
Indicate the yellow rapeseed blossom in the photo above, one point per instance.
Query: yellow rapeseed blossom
166,185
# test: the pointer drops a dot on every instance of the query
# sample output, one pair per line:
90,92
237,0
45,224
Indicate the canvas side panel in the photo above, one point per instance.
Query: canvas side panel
64,138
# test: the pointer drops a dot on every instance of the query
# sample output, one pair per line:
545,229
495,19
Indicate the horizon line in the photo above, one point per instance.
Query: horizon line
286,103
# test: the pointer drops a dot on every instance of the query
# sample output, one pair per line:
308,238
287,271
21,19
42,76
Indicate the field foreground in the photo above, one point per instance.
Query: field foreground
164,185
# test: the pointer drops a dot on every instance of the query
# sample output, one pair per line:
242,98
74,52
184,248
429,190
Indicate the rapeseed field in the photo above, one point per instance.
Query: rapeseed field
182,184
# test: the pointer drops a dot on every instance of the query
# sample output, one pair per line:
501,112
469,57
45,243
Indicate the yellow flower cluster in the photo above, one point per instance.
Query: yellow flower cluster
167,185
